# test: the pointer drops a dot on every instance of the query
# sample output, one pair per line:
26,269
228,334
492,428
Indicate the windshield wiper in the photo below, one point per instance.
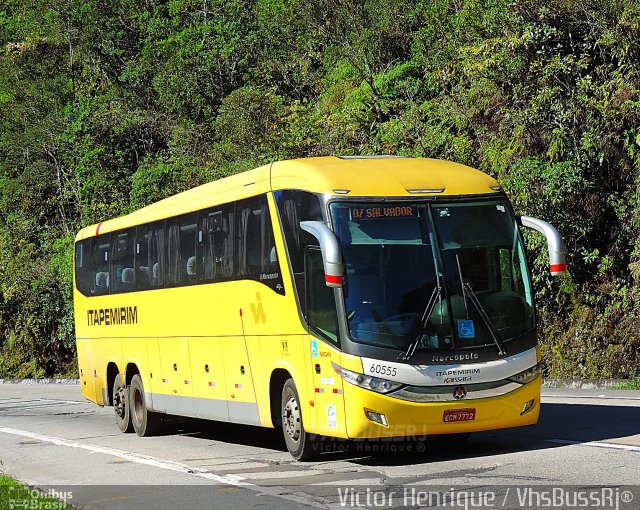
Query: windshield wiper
436,296
487,321
481,311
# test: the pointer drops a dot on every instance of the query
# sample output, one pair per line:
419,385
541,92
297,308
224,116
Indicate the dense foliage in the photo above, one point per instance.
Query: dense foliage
108,106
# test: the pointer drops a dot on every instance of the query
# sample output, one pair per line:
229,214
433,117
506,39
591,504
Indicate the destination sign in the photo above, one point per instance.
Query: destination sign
377,212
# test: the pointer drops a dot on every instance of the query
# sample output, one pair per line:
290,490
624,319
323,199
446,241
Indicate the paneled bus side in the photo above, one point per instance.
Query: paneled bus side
176,376
209,380
155,397
86,368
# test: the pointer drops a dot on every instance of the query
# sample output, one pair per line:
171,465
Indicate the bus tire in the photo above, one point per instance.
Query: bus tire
301,444
146,423
120,399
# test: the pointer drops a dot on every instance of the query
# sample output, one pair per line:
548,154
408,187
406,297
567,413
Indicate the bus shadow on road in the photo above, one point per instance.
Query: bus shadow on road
559,425
230,433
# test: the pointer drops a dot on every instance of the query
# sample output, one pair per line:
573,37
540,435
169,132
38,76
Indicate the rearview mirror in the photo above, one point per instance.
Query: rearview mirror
557,254
330,248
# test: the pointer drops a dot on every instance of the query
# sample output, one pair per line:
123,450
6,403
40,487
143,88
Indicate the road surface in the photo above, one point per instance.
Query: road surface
52,438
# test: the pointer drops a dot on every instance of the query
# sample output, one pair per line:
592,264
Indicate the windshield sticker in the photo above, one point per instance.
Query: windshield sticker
314,348
465,329
501,208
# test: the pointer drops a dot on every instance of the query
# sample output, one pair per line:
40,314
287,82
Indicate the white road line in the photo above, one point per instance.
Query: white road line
229,479
598,444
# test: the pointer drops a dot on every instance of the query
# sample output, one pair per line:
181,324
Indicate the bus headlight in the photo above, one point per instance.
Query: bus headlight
366,381
528,375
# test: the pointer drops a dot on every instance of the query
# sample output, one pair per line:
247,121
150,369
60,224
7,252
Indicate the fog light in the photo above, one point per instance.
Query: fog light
528,406
377,417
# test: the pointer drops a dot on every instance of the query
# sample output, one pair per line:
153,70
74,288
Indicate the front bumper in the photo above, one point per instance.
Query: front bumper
406,419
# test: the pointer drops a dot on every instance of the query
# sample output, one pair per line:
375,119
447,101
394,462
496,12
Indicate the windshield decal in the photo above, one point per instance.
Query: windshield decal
466,329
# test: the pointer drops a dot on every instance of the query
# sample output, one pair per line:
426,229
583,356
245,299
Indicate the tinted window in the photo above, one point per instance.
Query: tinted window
143,272
181,250
295,206
99,273
230,241
122,254
83,276
256,253
157,254
321,303
216,243
256,247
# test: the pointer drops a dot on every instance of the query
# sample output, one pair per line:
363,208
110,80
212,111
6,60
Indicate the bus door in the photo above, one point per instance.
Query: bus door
321,316
177,384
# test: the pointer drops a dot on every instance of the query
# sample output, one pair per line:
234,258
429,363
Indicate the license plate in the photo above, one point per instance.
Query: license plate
452,415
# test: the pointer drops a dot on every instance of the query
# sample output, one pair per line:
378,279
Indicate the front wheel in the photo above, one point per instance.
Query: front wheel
120,399
146,423
301,445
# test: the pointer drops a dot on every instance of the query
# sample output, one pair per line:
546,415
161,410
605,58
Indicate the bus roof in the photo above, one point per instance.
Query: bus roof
373,176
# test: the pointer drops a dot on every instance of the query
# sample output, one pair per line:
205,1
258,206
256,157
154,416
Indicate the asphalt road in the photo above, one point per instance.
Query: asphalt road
51,438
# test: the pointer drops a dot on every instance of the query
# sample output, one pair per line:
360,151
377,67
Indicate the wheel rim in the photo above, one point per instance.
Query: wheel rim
137,405
119,402
291,419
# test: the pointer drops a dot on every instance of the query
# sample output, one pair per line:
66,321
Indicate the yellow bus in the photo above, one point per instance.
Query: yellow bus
345,297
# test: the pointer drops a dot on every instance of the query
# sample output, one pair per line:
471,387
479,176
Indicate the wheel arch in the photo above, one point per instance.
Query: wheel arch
132,369
112,372
279,376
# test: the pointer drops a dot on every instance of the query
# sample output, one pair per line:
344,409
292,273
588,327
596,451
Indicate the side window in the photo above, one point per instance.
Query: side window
82,266
180,265
257,257
143,271
188,268
100,249
321,303
216,243
157,253
295,206
122,254
249,237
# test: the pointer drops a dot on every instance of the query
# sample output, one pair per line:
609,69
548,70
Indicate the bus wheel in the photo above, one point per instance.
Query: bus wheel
301,445
146,423
120,398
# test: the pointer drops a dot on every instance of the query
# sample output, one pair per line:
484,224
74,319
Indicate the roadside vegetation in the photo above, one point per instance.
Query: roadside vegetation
108,106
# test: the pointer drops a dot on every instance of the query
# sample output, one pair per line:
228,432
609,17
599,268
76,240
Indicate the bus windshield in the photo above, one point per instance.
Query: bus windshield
433,276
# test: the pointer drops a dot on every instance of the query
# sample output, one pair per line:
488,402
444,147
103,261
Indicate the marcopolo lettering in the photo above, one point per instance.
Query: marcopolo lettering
112,316
467,356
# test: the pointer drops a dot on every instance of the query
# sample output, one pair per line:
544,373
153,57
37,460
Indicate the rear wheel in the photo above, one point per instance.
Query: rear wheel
120,399
301,445
146,423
